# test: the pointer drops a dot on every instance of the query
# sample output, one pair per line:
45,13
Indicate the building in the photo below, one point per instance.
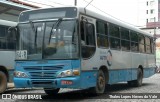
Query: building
149,16
10,9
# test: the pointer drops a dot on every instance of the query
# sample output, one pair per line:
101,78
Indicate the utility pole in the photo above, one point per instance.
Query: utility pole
75,2
154,26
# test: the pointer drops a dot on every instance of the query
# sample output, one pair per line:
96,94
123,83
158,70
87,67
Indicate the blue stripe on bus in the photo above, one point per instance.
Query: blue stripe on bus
88,78
124,75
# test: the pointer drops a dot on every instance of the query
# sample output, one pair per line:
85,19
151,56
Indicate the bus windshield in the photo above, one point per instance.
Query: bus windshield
55,39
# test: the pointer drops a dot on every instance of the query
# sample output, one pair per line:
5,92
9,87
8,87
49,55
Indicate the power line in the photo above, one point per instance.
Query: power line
38,3
75,3
47,4
58,3
108,14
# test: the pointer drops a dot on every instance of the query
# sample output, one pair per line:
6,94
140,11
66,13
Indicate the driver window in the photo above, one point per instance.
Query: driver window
87,34
87,39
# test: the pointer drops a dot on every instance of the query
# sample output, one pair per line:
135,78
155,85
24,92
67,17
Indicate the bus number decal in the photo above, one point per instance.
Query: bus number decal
107,56
22,54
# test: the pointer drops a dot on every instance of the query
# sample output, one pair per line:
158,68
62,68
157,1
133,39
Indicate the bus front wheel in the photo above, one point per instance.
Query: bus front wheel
3,82
100,84
51,91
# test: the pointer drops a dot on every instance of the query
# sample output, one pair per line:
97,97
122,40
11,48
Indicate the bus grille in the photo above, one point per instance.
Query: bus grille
43,72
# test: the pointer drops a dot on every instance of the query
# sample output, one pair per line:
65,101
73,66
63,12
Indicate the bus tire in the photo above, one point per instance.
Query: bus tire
51,91
3,82
100,84
137,82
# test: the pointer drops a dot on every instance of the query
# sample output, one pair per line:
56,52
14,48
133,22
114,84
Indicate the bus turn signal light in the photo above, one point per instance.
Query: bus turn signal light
76,72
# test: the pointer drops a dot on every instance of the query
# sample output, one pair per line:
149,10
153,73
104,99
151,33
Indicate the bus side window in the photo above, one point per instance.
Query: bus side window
87,34
82,33
87,39
90,38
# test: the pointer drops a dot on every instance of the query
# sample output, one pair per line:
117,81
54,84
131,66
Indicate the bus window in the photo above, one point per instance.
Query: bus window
2,31
148,44
125,39
134,41
114,36
114,31
141,43
102,34
115,43
87,39
134,36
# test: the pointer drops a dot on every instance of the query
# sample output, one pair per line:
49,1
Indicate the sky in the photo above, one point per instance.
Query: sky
124,10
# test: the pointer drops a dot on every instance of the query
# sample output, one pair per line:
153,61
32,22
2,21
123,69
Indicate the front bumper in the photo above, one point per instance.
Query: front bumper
72,82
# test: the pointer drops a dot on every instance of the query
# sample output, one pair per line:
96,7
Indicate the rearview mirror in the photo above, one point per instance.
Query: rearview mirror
12,32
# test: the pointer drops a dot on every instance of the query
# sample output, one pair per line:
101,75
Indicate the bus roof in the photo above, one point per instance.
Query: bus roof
7,23
110,19
105,17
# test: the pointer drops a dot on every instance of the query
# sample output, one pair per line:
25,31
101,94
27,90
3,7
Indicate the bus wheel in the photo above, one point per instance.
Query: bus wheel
3,82
51,91
137,82
100,84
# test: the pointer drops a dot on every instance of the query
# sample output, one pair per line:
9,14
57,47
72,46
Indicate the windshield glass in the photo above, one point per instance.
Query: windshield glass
48,40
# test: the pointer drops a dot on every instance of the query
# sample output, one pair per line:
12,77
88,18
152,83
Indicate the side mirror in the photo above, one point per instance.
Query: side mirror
12,33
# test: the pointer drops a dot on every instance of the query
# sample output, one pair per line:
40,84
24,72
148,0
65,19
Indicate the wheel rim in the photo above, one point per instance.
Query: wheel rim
101,83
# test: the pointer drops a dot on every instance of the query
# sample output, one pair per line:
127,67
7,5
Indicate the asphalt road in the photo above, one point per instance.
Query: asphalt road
121,92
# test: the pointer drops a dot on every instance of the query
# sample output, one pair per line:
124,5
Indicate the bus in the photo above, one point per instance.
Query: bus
72,47
7,54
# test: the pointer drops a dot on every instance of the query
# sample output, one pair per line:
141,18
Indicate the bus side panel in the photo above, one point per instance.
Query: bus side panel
121,75
150,69
148,72
134,73
138,59
7,60
120,60
88,79
11,75
113,76
121,69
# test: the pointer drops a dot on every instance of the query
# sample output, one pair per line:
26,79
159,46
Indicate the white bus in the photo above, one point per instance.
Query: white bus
7,54
70,47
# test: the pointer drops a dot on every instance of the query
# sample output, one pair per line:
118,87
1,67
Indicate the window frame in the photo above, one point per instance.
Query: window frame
6,40
103,35
87,51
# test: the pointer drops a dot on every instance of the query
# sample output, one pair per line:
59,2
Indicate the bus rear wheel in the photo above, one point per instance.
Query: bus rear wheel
100,84
3,82
137,82
51,91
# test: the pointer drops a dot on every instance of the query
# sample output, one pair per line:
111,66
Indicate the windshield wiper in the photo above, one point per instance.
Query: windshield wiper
35,32
54,26
32,26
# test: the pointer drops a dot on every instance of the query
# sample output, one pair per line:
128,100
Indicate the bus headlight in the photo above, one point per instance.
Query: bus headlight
20,74
67,73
